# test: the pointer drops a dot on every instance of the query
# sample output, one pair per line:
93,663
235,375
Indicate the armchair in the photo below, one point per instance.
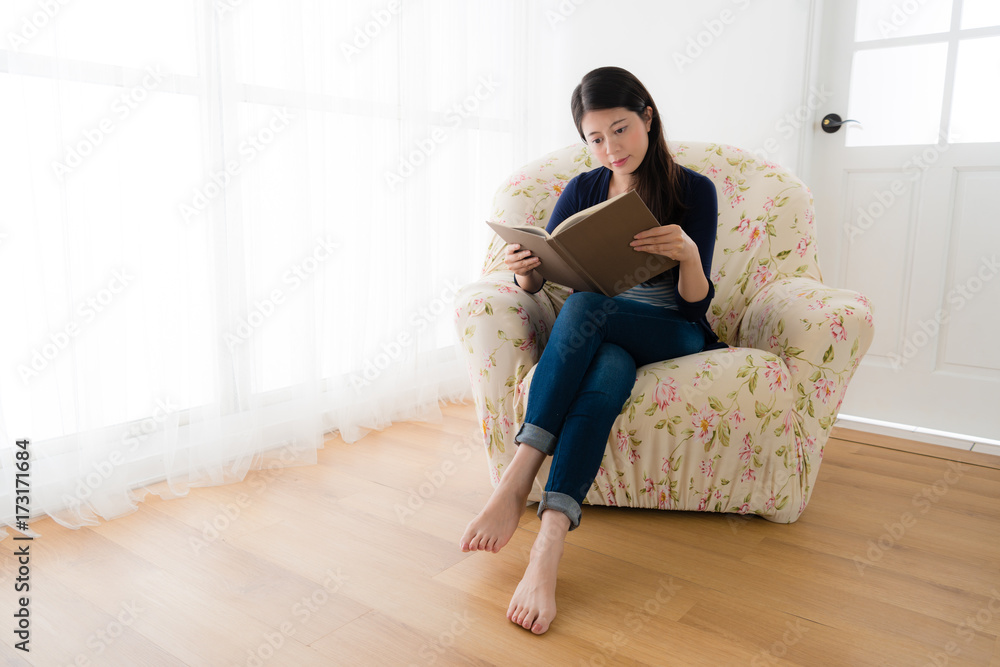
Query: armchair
740,430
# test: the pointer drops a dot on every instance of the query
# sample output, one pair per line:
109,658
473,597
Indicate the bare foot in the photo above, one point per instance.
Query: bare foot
495,525
533,605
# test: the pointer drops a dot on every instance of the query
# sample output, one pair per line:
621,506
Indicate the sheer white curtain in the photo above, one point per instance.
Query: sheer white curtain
230,226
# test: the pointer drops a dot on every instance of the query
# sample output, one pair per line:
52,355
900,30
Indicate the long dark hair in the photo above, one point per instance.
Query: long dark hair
658,179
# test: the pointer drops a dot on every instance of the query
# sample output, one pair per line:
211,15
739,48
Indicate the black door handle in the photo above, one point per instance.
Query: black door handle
832,122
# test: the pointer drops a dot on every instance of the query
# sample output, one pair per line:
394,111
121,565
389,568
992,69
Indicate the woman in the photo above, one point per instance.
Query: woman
588,366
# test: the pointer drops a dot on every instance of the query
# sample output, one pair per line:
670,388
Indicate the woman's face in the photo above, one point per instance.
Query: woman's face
617,137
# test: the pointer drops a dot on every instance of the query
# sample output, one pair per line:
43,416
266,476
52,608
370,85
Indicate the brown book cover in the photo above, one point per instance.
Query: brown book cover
589,251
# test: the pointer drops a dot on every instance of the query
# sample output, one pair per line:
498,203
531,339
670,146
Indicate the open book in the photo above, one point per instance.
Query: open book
589,251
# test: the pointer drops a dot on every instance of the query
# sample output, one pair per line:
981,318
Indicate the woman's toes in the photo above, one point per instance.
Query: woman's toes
512,612
495,524
473,540
468,537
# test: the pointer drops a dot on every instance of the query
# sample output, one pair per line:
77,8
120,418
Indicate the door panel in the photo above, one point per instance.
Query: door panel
906,202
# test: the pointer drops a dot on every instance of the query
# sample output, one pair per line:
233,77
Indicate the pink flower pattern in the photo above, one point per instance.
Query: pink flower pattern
622,440
704,422
825,389
837,327
728,186
790,322
803,245
665,501
777,376
666,393
762,276
505,423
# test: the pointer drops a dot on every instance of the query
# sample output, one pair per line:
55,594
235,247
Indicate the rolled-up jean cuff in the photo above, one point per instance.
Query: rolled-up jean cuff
553,500
538,438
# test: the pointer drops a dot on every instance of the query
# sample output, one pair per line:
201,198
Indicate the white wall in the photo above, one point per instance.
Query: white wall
743,86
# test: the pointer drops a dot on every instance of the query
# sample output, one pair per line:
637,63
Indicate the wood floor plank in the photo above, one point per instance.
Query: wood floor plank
821,602
354,560
778,636
876,440
620,617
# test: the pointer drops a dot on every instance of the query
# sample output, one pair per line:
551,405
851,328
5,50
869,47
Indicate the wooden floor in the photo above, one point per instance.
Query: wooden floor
355,561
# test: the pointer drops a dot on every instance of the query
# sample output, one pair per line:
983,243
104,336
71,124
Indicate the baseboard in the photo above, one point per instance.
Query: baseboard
906,444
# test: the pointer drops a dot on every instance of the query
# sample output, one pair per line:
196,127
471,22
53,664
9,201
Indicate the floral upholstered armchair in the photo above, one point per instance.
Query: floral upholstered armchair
738,430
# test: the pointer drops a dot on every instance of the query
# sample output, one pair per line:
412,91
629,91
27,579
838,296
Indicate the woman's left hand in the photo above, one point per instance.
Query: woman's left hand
668,240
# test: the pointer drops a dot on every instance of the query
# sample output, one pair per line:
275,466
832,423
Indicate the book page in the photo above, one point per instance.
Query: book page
552,267
600,245
580,216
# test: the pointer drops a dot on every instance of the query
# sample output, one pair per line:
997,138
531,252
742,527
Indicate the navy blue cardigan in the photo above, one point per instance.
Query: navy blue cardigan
700,222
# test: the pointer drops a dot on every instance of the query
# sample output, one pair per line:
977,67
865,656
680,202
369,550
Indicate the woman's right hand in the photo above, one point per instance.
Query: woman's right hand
521,262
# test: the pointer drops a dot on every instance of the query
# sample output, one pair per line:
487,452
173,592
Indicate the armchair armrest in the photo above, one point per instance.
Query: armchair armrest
496,300
502,329
820,332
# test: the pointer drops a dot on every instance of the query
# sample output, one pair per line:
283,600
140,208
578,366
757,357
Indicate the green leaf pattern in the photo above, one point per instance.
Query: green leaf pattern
739,430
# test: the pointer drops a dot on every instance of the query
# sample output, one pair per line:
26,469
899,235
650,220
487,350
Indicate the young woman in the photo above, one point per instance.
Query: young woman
588,366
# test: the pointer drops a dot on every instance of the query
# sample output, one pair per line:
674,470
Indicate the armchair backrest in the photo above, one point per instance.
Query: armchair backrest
766,220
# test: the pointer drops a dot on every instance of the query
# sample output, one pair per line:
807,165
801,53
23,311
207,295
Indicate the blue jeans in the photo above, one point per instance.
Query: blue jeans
585,375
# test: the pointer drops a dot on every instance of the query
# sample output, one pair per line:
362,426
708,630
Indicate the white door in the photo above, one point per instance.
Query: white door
908,203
